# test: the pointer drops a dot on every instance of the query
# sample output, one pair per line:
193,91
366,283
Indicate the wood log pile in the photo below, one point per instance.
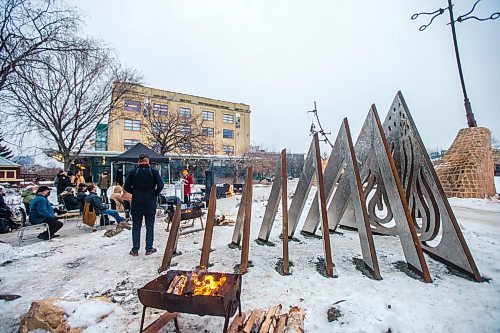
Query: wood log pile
270,321
177,285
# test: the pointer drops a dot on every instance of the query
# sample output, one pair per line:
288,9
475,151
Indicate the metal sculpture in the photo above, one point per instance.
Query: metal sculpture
373,153
271,207
434,219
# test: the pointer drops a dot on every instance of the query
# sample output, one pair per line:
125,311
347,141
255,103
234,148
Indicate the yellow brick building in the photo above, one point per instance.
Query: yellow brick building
225,124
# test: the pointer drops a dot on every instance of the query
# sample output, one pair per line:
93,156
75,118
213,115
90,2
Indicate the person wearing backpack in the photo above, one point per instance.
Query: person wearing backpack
145,184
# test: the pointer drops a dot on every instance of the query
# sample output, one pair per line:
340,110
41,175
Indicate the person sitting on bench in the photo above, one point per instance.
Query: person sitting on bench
70,201
99,207
41,211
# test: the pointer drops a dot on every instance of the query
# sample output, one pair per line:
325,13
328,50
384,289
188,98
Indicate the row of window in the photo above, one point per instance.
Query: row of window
162,110
135,125
206,148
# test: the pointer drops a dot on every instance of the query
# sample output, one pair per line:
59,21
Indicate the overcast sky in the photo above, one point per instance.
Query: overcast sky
279,56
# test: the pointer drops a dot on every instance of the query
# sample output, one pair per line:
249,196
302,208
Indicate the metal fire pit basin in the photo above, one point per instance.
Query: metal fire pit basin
154,294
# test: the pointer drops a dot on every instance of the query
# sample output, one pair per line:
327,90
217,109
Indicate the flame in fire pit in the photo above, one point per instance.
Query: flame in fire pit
208,286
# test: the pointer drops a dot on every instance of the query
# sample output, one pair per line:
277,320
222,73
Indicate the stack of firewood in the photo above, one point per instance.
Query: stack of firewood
272,321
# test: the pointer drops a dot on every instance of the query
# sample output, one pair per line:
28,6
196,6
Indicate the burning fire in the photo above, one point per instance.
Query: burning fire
208,285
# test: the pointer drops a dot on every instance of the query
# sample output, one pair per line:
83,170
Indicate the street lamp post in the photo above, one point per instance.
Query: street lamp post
471,122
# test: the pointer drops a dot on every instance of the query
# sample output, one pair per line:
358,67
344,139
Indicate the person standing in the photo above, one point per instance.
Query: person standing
79,179
103,184
188,182
62,182
145,184
41,211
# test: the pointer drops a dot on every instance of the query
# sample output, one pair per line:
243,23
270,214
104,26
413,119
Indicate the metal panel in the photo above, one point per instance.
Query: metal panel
301,192
272,206
238,226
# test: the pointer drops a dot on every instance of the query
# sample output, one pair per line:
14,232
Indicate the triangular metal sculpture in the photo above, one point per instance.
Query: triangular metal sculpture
373,153
433,217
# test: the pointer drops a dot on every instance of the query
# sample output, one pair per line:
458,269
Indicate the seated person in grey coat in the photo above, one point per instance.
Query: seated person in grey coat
99,207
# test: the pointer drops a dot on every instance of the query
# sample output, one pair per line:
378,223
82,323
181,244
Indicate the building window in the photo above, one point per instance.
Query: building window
185,129
132,125
2,174
238,121
10,174
185,146
227,118
131,105
227,134
159,127
207,115
185,112
207,131
207,148
129,143
160,109
228,149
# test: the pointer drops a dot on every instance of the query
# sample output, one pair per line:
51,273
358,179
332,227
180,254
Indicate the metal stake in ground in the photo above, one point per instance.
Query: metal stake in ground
284,180
172,239
246,224
324,217
209,226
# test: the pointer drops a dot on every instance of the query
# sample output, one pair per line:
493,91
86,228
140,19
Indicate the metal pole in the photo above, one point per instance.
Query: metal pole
468,109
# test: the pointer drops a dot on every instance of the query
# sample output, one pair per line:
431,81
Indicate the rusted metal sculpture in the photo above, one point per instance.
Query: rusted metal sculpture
430,210
284,209
245,247
207,237
173,237
373,153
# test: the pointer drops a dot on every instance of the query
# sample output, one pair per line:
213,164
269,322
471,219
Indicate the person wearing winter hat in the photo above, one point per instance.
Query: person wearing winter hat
41,211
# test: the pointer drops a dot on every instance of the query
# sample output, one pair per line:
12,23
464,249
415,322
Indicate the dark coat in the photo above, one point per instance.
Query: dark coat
80,197
96,202
62,183
70,201
40,209
145,184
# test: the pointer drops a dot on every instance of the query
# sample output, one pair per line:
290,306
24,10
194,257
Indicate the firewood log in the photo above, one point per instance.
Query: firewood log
295,321
280,325
254,320
271,318
174,282
237,324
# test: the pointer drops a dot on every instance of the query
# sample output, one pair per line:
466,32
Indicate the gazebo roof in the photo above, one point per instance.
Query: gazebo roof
7,163
132,155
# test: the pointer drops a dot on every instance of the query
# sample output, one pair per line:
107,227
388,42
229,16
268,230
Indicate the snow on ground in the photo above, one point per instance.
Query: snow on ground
81,265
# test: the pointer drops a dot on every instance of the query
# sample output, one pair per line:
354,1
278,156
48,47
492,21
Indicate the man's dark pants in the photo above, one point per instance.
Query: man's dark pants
136,230
54,226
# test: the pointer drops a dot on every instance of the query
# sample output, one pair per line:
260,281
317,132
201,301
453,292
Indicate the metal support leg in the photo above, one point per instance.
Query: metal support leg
177,329
142,319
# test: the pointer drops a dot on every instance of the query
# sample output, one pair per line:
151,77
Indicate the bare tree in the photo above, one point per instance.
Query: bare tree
67,95
174,132
31,28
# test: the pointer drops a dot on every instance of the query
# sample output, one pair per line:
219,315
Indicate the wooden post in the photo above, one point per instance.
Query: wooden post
172,239
209,226
324,217
246,223
284,204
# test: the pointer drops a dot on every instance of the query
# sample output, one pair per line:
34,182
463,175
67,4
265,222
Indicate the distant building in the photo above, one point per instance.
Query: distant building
226,124
9,171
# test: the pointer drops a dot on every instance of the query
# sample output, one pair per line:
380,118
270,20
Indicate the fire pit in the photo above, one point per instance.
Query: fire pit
202,293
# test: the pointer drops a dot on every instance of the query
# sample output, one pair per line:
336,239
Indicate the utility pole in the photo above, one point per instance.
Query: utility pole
471,121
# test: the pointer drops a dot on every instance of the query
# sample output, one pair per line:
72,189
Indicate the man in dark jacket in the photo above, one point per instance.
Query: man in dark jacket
62,183
99,207
145,184
41,211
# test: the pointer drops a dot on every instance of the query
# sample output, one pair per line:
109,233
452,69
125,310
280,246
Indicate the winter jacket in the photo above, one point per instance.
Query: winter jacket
80,197
70,201
62,183
27,196
145,184
117,198
96,202
104,182
40,209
